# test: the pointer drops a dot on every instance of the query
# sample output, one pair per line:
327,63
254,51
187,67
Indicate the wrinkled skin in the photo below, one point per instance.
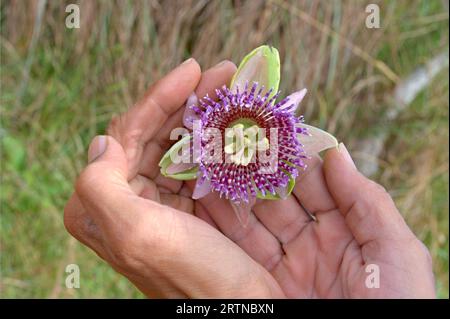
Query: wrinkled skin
148,229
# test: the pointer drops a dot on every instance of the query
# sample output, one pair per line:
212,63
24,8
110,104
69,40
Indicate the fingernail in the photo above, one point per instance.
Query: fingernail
343,150
220,64
97,147
187,61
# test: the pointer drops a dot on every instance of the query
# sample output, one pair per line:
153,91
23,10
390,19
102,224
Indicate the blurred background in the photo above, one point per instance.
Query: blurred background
384,91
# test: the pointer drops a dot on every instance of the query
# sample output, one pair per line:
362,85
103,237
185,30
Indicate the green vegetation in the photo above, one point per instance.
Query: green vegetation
77,79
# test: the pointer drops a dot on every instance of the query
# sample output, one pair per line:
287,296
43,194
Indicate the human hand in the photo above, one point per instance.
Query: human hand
147,227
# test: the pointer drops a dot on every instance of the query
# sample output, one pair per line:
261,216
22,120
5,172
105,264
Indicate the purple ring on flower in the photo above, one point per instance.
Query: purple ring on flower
240,182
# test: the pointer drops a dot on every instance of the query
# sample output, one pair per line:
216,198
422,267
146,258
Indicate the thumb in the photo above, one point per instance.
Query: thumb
369,211
102,186
106,150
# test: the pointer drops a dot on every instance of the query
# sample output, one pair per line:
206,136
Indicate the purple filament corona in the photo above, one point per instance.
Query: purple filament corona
240,183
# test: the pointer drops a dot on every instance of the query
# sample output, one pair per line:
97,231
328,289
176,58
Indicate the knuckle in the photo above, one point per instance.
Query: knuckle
87,178
119,129
133,138
114,124
378,201
367,215
378,190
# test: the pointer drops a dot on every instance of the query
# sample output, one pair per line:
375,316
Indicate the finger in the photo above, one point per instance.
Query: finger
311,189
142,122
214,78
152,189
169,185
254,238
145,188
285,219
211,79
201,212
368,209
181,203
103,188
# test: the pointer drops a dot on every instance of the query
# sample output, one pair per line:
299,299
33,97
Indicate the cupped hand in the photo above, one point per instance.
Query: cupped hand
319,242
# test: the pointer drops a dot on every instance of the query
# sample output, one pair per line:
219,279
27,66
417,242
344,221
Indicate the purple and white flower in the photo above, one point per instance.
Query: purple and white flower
245,145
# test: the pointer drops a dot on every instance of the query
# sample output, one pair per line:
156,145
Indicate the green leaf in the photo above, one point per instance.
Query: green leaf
262,65
166,161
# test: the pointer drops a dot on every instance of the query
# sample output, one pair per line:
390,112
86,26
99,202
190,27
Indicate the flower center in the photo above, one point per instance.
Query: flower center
242,140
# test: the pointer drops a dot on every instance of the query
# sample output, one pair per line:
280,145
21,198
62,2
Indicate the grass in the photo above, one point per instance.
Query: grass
79,78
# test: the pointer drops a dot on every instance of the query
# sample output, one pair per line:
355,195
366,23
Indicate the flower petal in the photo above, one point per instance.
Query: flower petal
317,140
282,192
243,211
202,188
180,171
294,100
262,65
179,168
189,115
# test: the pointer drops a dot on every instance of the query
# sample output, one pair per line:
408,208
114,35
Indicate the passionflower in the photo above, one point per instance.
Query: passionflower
245,144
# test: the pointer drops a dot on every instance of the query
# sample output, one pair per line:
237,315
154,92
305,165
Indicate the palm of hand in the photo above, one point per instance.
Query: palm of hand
303,257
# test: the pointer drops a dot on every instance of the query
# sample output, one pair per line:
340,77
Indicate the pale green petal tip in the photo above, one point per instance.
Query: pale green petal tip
186,175
317,141
166,161
262,65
